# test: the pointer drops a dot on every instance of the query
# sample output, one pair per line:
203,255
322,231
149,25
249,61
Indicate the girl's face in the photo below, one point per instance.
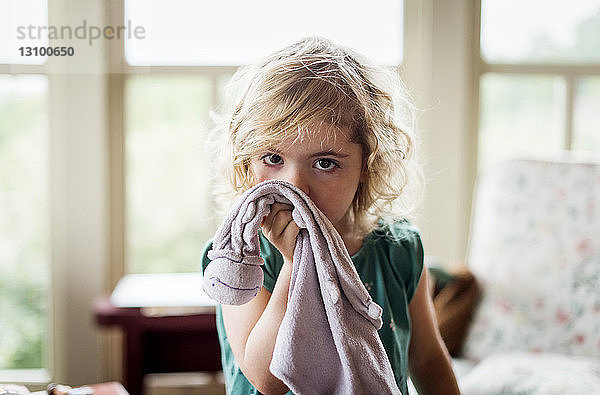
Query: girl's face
326,166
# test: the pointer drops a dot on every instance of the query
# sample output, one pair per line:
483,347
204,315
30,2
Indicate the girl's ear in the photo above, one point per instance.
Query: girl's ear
363,173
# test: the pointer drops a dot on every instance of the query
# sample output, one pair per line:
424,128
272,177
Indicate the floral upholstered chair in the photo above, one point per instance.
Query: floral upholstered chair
535,251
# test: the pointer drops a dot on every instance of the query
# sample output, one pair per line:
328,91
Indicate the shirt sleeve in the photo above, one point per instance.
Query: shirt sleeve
205,261
407,250
417,265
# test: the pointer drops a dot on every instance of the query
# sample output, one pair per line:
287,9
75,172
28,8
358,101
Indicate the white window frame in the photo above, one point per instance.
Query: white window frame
569,73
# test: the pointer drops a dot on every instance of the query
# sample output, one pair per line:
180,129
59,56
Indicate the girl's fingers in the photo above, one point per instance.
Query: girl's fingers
280,221
290,232
276,209
281,230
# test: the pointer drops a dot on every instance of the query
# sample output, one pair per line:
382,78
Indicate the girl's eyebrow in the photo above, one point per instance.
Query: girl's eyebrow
329,153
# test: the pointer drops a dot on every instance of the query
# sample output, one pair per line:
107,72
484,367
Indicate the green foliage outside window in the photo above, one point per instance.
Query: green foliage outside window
24,222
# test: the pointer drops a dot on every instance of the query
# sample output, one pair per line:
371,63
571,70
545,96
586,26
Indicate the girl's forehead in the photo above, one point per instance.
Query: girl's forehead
324,136
314,144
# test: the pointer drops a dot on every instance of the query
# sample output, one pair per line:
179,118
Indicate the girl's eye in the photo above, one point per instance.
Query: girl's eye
326,164
271,159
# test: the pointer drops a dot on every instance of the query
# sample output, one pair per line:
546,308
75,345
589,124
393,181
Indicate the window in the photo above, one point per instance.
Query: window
24,195
168,184
586,123
237,32
24,222
538,31
539,77
520,114
192,49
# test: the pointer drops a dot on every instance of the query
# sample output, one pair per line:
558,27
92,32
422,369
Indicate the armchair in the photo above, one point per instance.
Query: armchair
535,250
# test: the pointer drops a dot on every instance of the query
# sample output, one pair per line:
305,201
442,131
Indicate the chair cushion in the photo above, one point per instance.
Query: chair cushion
532,374
535,249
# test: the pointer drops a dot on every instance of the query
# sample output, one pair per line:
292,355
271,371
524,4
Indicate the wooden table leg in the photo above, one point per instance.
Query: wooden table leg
133,372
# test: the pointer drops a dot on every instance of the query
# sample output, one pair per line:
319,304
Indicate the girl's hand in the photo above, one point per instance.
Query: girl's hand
281,230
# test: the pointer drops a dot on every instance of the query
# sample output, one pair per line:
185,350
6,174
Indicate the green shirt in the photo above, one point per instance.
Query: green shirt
389,264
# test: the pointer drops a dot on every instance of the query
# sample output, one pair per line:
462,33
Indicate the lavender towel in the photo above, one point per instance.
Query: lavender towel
327,342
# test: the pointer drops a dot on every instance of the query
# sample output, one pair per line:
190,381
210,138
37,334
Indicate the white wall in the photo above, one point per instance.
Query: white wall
79,196
439,60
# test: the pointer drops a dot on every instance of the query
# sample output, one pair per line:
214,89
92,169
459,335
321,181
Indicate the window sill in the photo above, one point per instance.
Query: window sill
28,377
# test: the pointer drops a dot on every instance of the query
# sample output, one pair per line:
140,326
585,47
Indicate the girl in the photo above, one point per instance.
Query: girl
324,119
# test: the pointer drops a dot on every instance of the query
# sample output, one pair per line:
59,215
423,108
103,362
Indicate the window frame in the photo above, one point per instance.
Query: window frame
569,73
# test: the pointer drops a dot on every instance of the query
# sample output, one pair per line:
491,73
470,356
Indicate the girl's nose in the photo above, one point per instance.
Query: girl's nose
299,180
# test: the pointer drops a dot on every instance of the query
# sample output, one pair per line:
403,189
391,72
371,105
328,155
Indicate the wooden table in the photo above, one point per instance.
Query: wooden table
161,344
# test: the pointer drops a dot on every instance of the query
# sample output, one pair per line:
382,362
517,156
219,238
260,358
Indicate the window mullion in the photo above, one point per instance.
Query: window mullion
568,103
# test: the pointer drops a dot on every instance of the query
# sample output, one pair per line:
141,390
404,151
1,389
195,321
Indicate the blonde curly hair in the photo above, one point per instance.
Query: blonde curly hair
315,81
